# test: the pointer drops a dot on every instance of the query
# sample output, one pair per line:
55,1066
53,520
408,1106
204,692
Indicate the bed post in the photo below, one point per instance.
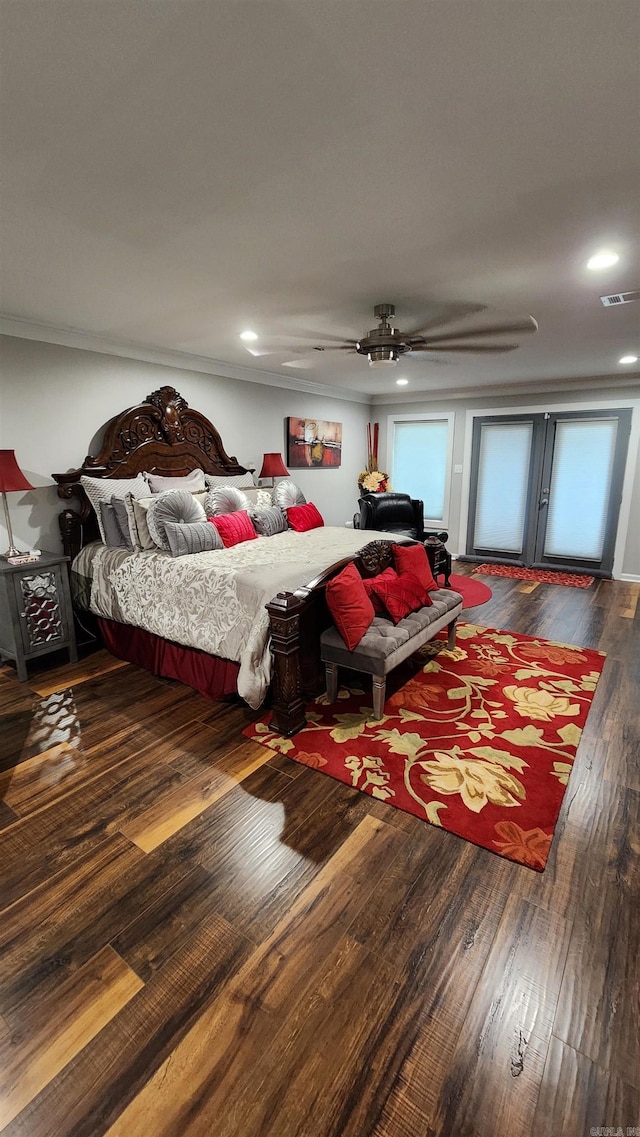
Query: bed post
288,708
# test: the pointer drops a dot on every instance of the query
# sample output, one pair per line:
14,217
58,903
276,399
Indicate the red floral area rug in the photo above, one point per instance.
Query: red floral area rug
572,579
479,740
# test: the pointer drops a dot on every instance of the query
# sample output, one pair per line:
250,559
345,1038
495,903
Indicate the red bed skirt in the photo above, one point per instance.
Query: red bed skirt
208,674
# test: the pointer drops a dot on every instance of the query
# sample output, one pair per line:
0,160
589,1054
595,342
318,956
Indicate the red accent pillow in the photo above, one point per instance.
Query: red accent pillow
413,558
234,528
403,595
370,585
304,517
349,605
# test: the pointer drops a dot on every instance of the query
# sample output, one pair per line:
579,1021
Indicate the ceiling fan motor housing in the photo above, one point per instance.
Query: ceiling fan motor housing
384,311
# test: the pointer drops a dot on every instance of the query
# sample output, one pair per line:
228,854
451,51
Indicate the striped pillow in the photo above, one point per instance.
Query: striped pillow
225,499
197,537
172,505
287,493
234,528
268,522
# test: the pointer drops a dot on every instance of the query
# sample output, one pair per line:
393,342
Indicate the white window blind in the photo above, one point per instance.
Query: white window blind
583,455
503,475
419,467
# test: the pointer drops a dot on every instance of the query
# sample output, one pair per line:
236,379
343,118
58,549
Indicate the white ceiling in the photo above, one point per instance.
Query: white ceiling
178,170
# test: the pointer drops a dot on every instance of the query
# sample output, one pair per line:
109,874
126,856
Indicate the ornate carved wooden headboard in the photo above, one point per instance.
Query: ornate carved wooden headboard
162,435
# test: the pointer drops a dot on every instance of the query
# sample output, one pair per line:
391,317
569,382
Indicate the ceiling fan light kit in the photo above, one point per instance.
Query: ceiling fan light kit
383,357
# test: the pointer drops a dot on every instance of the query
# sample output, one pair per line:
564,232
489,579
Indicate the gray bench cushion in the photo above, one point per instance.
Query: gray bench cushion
385,644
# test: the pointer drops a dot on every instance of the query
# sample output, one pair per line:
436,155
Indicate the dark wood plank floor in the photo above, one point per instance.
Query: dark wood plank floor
200,937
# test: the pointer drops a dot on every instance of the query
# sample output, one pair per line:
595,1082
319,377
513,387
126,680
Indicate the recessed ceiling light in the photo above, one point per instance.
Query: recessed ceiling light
248,337
628,359
402,382
604,259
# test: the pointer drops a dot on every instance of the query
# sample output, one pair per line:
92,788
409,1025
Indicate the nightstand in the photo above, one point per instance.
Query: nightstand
35,610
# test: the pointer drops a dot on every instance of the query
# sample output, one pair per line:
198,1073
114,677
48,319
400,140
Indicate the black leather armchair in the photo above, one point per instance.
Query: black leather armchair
399,513
392,513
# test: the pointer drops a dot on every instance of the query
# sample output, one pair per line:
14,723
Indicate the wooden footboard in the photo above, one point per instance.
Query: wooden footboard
297,622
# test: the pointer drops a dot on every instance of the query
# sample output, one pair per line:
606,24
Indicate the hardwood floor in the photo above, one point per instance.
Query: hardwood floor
200,937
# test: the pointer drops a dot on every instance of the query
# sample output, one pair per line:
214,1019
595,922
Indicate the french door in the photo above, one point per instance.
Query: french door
546,488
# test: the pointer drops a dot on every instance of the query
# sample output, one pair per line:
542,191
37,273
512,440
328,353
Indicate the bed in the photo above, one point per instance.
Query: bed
247,618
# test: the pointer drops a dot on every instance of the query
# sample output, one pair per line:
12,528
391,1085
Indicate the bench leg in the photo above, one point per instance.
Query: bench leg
331,672
379,685
451,641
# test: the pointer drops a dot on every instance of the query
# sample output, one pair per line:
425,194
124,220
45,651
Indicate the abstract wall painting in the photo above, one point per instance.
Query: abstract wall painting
313,443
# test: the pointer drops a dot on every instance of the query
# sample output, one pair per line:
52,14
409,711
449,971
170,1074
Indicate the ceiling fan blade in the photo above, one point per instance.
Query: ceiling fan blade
315,337
460,312
292,349
520,327
478,348
335,347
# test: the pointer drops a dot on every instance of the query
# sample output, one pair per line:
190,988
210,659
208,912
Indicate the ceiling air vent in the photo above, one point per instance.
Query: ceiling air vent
620,298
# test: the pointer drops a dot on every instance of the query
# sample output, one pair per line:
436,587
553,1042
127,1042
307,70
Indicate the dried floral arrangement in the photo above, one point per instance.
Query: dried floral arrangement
373,480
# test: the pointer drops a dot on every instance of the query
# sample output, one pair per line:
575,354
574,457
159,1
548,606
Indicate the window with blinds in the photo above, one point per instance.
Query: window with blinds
583,456
420,463
503,480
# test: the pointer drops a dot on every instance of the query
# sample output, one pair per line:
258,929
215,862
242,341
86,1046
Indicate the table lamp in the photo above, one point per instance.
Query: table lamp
273,467
11,478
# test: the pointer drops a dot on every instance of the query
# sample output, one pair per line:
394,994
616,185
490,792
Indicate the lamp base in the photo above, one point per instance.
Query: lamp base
12,552
20,556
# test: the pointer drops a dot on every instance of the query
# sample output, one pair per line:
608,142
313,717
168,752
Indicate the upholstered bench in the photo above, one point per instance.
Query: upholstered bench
385,644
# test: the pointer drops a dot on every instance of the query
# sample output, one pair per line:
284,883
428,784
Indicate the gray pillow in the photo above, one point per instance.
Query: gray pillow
225,499
287,493
138,528
197,537
102,489
111,527
240,481
120,509
268,522
172,505
193,482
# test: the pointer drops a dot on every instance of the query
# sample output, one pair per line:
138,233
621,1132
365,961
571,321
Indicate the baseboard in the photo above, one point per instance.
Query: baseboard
628,577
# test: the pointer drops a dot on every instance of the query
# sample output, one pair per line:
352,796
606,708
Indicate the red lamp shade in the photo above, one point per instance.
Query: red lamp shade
273,467
11,476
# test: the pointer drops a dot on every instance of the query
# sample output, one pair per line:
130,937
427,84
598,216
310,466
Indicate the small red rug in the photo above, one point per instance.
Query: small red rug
473,592
572,579
480,740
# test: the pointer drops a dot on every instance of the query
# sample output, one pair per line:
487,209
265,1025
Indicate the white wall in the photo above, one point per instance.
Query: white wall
628,562
54,399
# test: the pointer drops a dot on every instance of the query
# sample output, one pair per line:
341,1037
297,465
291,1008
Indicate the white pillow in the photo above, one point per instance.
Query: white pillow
240,481
193,482
103,489
259,498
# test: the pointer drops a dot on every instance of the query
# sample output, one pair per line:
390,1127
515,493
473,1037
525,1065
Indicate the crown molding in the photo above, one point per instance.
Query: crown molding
70,337
542,387
84,341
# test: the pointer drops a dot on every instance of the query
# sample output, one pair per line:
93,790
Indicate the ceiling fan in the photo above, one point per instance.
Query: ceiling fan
384,345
